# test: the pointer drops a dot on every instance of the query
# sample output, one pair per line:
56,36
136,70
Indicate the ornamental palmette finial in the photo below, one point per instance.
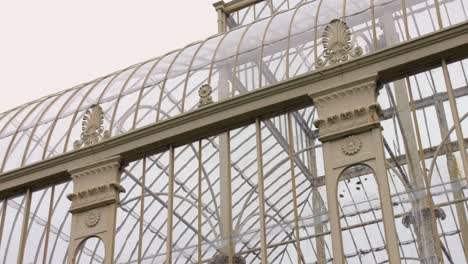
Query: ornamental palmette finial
336,40
92,128
205,95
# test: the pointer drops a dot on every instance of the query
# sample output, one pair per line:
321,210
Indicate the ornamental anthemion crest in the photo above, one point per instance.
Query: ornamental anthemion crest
92,128
336,40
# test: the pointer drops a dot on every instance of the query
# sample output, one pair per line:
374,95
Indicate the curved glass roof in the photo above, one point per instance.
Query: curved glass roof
249,57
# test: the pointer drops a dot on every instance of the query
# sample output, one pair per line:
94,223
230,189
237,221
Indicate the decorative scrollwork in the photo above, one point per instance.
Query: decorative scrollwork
336,40
351,145
417,216
93,218
205,95
92,128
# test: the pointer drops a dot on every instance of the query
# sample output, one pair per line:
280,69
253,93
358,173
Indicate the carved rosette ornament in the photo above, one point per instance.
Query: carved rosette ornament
92,128
351,145
205,95
92,218
336,40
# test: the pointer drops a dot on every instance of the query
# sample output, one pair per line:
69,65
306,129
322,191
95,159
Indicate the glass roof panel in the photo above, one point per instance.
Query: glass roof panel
289,42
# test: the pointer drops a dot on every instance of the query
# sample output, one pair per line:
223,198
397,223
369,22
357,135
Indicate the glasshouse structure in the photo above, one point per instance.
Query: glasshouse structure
305,131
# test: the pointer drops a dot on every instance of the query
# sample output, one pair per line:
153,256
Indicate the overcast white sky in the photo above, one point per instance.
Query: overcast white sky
51,45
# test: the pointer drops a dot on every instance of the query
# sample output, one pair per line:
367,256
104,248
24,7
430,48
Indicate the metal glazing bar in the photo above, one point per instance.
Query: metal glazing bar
236,60
7,153
455,116
163,87
270,4
424,171
24,226
229,196
374,28
140,96
397,216
293,182
4,114
119,97
13,117
289,39
49,220
98,101
261,191
2,221
199,201
461,147
405,19
170,206
33,131
316,32
213,58
142,211
189,70
439,16
52,128
75,114
344,9
260,71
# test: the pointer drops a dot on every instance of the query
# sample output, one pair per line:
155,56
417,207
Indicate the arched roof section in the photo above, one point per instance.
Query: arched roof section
253,56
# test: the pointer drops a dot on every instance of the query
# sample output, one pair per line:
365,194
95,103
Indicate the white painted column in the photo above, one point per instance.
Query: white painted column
95,199
350,113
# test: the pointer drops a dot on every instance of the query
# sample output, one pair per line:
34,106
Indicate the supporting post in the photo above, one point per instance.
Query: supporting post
350,118
24,229
261,191
294,191
170,209
461,212
95,199
47,228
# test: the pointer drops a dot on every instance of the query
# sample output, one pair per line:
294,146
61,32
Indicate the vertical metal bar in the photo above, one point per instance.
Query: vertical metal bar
229,196
316,33
374,27
49,220
24,227
439,16
142,211
261,191
199,234
140,95
236,60
405,19
170,205
344,10
119,96
163,87
294,192
430,202
272,9
260,66
2,221
461,146
455,116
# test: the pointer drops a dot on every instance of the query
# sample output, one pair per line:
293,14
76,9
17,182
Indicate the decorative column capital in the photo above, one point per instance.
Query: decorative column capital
95,185
95,198
348,109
